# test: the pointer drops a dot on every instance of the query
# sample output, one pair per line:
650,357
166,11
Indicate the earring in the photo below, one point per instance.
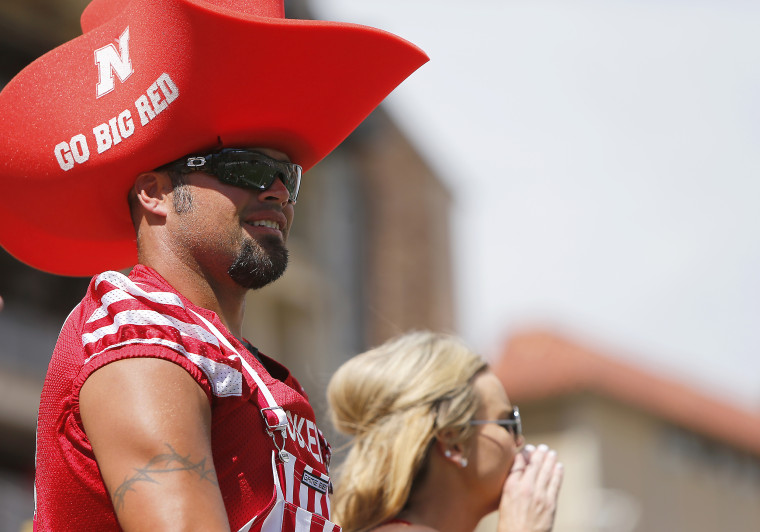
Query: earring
447,453
463,462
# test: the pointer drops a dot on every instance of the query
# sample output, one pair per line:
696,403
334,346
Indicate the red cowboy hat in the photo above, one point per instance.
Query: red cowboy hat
152,80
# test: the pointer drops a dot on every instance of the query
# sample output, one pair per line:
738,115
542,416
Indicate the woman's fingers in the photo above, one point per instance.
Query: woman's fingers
546,470
529,498
556,481
535,463
520,463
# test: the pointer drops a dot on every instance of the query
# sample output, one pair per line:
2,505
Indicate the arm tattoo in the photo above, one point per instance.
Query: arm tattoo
169,462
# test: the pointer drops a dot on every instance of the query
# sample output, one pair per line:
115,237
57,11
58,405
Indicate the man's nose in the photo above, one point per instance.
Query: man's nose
275,192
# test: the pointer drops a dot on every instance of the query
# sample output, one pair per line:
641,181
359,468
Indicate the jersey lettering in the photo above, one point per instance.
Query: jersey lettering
304,432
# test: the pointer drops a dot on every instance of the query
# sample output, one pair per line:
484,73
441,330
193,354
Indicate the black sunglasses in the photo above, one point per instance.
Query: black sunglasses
242,168
512,425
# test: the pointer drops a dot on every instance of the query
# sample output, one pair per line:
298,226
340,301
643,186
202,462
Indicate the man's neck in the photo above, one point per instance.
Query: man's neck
227,300
224,297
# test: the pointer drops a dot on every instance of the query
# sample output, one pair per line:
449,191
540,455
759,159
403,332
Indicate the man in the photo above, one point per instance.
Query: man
182,143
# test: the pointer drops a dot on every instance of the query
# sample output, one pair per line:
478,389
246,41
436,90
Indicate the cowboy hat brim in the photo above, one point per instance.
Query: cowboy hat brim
196,76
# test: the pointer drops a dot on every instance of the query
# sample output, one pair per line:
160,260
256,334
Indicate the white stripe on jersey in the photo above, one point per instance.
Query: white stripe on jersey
111,297
303,495
125,289
290,475
150,317
303,520
271,403
225,381
125,283
318,504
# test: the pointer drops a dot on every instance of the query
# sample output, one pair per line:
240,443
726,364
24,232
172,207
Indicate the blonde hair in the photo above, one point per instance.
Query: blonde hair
394,401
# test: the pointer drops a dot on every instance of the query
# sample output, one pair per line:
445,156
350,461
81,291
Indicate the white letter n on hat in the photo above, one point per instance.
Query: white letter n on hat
110,61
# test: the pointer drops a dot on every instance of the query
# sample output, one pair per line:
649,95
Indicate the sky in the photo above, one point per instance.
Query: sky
604,167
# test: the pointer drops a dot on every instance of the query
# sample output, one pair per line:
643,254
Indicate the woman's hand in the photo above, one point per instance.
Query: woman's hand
529,498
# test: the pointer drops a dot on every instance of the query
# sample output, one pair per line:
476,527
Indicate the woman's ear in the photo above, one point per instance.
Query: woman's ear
452,452
153,193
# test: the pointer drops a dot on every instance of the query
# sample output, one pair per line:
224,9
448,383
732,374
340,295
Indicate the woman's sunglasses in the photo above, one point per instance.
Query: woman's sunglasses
512,425
242,168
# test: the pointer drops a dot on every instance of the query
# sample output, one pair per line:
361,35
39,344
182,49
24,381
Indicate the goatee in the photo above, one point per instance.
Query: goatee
259,263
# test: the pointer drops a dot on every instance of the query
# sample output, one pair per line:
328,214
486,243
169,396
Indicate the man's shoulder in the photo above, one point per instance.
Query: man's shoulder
120,310
139,316
114,289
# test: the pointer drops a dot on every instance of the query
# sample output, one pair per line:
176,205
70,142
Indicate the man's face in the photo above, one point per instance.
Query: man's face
233,231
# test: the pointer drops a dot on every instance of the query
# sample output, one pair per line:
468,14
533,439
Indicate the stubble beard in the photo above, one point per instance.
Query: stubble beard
259,262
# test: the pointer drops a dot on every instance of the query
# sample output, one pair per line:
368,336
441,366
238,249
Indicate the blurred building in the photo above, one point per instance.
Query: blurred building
370,257
641,453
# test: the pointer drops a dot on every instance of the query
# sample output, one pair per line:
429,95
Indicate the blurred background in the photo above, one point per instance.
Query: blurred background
571,187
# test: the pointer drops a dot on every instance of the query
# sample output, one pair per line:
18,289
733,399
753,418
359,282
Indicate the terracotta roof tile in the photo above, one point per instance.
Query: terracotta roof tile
538,365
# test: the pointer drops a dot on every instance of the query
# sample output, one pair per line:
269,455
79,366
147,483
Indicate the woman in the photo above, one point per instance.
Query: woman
430,451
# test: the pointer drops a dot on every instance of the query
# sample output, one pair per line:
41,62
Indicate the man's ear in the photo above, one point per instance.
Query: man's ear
153,193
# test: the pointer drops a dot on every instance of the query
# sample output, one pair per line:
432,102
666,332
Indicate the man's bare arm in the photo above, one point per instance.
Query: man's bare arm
149,425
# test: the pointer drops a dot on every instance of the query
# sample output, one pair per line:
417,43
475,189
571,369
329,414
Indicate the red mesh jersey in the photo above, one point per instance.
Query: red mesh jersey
143,316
